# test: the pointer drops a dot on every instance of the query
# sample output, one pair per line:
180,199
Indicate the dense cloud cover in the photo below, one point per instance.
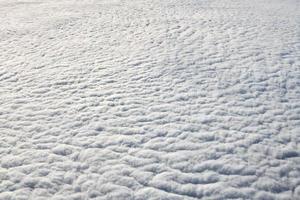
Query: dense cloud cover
149,99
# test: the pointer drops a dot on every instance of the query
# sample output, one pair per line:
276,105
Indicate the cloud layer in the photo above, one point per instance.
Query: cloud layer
149,99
